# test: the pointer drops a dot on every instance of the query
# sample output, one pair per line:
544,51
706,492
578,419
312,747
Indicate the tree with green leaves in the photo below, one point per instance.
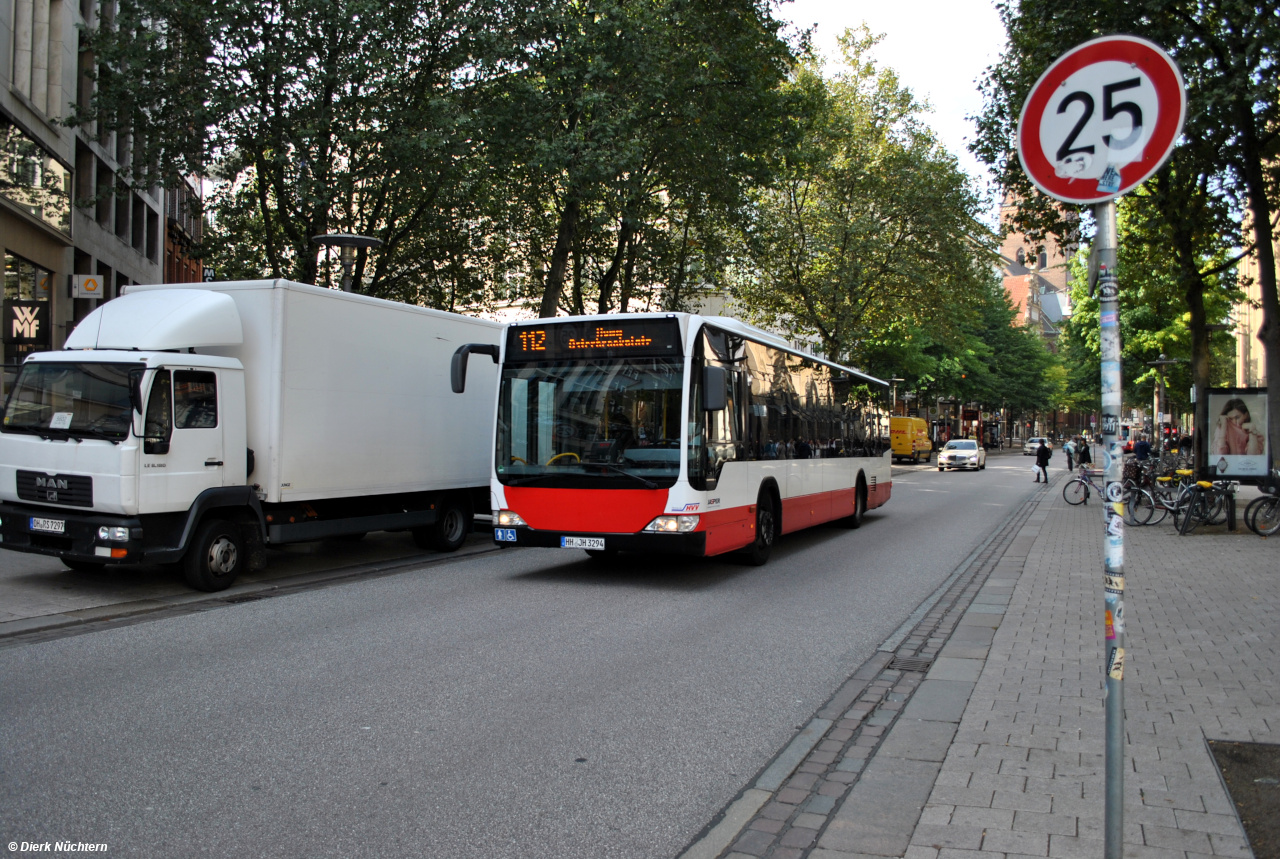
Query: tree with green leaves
312,117
1153,315
871,227
1226,159
628,119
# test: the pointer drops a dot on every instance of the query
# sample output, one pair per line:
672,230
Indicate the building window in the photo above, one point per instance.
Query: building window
32,179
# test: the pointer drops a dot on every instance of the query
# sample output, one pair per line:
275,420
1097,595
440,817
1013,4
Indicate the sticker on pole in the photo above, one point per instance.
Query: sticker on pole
1101,119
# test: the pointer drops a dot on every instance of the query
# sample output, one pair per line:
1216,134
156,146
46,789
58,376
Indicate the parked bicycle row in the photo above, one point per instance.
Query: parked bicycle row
1152,490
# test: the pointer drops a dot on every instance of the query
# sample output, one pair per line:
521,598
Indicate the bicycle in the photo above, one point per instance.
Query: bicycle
1211,502
1077,491
1168,494
1262,516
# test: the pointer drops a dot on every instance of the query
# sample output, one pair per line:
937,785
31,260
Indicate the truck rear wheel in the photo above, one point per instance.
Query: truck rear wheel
215,557
449,531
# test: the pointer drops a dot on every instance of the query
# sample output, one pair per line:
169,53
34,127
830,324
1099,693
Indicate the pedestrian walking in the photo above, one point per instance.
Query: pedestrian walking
1043,453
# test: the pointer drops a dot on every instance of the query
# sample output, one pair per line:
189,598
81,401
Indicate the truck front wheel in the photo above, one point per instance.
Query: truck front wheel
215,557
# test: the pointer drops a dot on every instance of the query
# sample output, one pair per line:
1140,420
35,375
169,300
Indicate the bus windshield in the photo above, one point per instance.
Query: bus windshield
591,423
73,400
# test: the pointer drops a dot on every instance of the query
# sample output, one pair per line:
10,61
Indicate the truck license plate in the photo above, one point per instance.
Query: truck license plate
49,526
582,542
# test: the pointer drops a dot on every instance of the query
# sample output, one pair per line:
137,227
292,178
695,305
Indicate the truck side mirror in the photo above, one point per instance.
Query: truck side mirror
713,389
458,368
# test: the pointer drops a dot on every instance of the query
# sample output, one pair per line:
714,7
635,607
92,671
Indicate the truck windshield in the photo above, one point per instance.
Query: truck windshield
594,423
72,400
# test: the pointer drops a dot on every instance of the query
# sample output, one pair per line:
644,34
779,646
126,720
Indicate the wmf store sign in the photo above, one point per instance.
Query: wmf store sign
26,323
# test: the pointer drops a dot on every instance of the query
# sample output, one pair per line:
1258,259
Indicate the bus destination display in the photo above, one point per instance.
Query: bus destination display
612,338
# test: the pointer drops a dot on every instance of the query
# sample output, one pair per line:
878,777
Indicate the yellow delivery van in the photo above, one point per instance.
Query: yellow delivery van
909,439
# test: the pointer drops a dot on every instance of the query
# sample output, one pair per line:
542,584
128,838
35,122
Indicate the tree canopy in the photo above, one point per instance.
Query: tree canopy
1225,162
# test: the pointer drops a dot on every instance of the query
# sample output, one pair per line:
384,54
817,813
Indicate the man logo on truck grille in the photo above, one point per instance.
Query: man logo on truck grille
52,483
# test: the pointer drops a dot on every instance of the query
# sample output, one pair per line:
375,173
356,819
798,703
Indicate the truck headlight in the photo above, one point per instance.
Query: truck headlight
509,518
108,534
673,524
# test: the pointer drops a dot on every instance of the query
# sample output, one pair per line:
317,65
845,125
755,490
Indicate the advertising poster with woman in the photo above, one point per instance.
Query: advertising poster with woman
1238,432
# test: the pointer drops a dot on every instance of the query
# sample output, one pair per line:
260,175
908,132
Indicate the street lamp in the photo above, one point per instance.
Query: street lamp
893,382
346,244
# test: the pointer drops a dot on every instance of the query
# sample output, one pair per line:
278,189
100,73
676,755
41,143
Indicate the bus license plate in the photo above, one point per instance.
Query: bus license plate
49,526
582,542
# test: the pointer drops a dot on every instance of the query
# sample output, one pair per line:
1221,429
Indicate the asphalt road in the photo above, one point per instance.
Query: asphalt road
525,703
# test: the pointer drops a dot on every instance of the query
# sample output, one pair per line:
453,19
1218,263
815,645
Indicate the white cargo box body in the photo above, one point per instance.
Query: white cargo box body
349,395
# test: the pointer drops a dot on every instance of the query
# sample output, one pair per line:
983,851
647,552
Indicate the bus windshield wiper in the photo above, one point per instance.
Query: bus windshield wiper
648,484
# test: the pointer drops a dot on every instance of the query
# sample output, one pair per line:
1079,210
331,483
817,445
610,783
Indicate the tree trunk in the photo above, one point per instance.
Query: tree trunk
628,275
610,277
1269,331
576,304
560,258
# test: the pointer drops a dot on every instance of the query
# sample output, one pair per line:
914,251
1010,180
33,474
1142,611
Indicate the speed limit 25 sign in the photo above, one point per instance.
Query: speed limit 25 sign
1101,119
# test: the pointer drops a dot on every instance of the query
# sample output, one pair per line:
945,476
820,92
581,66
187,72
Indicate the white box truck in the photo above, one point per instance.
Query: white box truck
201,423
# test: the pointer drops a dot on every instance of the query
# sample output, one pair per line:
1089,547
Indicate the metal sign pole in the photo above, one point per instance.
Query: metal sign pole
1113,517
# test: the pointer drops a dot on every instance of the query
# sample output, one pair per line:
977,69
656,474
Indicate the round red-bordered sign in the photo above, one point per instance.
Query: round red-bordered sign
1101,119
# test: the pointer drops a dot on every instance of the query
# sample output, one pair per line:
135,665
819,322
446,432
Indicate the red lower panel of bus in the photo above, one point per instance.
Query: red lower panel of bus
590,511
623,511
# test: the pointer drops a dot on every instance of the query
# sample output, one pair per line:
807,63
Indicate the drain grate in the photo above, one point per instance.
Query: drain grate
245,598
910,663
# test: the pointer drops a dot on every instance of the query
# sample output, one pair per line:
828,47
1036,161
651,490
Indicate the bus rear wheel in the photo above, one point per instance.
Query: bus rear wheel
766,531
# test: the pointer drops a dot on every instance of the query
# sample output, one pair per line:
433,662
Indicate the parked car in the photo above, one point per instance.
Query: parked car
1033,444
962,453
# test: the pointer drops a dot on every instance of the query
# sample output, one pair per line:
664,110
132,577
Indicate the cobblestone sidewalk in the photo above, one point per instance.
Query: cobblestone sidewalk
997,749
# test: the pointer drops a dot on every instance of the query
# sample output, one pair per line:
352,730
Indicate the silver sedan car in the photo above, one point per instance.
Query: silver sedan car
962,453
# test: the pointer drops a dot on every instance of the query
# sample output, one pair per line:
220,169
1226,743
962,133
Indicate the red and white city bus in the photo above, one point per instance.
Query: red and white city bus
676,433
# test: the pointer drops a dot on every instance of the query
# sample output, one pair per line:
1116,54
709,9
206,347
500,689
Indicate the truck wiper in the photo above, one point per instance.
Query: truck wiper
97,433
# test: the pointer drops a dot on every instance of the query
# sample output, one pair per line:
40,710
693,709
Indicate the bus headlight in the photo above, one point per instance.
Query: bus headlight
113,535
508,518
673,524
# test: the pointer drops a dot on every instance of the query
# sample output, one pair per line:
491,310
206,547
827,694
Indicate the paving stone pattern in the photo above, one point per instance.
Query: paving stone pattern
998,750
1025,774
879,739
